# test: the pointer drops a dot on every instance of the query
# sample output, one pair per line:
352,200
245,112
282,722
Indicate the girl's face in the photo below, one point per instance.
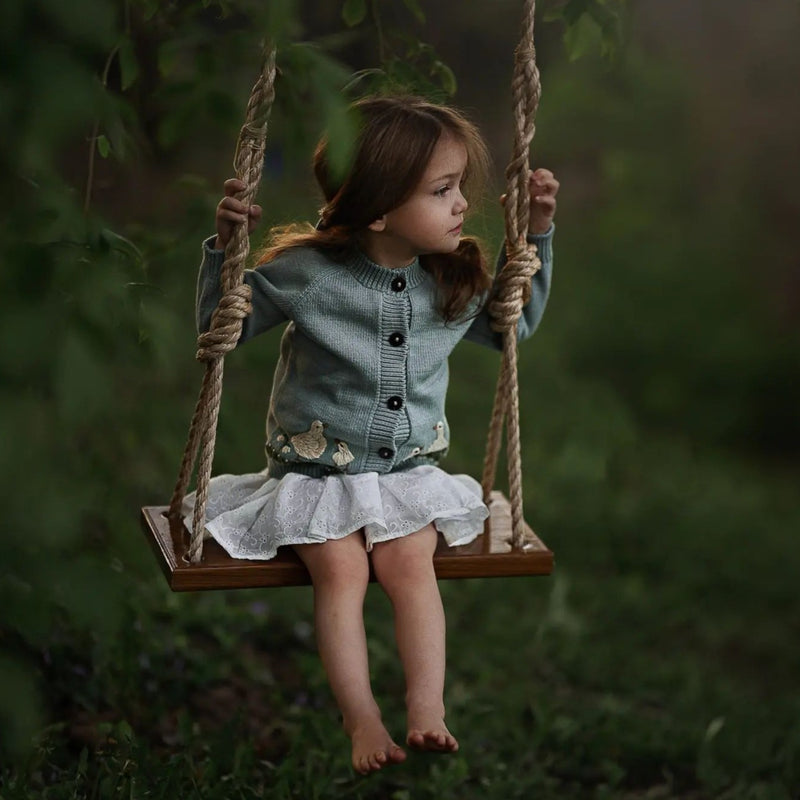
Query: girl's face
430,220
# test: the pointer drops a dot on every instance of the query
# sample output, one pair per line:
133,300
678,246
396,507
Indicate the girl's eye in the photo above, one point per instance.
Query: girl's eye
442,191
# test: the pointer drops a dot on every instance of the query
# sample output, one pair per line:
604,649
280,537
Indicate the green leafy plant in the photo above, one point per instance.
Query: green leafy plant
611,680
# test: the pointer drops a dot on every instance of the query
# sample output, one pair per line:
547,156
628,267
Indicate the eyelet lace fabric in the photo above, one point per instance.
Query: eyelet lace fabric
253,515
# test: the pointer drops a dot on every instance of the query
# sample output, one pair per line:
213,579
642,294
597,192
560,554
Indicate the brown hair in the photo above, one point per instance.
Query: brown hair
395,140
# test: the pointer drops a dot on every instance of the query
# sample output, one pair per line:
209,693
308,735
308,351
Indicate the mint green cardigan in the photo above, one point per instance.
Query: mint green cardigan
362,374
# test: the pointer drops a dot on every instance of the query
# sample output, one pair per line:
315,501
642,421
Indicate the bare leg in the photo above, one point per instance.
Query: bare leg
404,567
339,570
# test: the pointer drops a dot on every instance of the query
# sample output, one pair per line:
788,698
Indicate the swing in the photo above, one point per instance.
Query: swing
508,547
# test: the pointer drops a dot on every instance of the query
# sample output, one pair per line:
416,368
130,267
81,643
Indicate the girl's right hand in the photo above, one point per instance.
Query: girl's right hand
232,212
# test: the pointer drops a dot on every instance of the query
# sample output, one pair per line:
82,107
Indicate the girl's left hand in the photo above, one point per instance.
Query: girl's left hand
543,189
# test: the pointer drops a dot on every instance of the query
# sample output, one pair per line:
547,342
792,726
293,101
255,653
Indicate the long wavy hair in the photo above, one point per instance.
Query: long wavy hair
396,138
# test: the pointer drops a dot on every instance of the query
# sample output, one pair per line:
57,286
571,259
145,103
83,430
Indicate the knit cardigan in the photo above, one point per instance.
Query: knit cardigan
362,374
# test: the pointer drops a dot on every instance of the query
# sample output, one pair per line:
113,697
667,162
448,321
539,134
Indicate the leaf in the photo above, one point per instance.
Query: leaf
103,145
341,132
368,76
120,243
581,38
354,12
714,727
128,64
610,24
414,7
446,76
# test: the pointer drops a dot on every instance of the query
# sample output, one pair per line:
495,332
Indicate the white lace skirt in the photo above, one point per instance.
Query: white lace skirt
253,515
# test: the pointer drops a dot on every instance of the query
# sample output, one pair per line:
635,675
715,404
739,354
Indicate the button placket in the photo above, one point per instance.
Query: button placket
388,428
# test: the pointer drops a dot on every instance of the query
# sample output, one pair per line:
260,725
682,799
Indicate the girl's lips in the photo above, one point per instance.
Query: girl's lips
457,229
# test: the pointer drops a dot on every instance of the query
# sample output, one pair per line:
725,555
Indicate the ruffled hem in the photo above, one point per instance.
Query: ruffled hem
253,515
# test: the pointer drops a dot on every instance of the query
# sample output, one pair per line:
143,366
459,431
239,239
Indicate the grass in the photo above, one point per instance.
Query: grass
659,661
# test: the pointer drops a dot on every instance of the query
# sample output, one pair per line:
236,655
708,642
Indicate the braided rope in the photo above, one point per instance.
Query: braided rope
227,320
514,281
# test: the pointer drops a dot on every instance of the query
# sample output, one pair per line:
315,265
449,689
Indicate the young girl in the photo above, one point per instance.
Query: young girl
375,297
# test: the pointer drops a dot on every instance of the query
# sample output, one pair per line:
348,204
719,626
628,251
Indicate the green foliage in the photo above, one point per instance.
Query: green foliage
659,661
86,321
312,100
406,63
354,11
590,26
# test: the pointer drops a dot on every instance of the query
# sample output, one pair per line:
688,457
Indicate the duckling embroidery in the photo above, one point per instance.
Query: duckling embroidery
342,457
439,443
415,452
312,443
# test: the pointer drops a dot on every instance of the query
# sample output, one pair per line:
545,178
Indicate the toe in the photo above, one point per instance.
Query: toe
415,739
397,754
435,741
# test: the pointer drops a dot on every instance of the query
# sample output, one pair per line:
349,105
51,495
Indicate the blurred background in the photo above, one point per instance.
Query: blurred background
659,408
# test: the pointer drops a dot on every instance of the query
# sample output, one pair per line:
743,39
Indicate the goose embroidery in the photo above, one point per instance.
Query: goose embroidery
342,457
312,443
439,443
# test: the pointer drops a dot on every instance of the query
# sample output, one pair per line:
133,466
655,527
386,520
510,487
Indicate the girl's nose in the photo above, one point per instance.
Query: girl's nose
461,203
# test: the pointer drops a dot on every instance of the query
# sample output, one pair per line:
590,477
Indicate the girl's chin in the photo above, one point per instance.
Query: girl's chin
451,244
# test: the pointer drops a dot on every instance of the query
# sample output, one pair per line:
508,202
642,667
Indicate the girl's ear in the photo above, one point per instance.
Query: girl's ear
378,225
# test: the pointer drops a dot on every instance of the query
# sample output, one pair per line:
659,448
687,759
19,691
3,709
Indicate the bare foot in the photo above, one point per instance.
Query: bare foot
428,732
373,747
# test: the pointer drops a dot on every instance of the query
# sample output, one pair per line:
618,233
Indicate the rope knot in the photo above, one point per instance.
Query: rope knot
226,324
252,139
525,53
514,286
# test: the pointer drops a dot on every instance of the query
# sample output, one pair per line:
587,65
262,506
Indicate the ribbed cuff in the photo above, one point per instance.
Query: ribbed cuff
543,242
213,259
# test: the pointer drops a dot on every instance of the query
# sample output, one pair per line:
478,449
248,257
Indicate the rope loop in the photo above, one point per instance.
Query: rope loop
514,287
226,324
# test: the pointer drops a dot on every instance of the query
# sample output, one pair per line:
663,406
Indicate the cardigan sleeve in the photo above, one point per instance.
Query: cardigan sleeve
276,288
480,330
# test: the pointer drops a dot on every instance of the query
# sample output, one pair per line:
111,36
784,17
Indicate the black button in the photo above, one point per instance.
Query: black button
396,339
385,452
395,403
398,284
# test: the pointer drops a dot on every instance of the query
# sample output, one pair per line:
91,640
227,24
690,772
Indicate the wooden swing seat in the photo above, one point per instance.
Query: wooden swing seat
489,556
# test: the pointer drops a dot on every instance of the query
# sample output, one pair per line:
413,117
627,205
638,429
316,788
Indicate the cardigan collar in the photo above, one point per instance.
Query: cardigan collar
374,276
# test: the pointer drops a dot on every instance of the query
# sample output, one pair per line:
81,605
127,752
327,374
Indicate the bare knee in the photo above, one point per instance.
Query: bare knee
403,564
337,563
